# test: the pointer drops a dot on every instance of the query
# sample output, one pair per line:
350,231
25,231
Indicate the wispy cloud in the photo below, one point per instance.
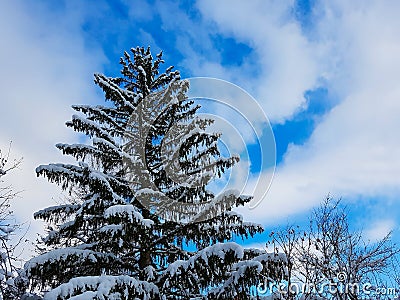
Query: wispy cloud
45,67
287,62
379,230
352,51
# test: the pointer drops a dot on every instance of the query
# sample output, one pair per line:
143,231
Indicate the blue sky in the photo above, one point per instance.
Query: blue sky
326,74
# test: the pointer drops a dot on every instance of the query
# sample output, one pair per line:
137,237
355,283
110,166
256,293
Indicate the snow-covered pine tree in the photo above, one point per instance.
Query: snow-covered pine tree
138,232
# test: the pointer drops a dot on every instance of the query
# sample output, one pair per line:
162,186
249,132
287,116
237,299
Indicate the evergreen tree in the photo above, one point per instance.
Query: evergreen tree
144,225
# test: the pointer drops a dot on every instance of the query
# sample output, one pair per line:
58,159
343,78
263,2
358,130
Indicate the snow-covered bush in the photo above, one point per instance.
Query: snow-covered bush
11,284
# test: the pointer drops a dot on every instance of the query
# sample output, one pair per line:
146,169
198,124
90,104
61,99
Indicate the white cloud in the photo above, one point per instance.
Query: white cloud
354,151
45,67
379,230
287,61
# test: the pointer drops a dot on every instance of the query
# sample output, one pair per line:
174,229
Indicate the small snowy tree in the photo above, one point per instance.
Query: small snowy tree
10,286
342,255
329,253
145,227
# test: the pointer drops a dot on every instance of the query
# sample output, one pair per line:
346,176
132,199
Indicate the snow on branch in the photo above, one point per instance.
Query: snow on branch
103,287
66,255
128,211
